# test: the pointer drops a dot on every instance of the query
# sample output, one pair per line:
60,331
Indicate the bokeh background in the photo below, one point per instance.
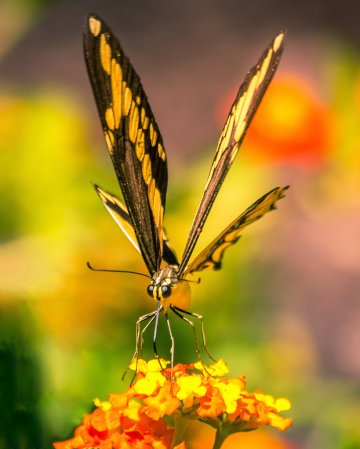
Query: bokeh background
285,308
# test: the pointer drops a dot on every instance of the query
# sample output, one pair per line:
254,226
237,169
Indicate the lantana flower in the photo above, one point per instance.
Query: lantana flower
135,419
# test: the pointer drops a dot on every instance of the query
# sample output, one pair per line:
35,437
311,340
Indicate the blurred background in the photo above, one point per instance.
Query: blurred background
285,308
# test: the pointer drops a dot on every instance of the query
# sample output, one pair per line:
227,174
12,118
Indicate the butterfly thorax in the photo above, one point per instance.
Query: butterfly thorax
167,288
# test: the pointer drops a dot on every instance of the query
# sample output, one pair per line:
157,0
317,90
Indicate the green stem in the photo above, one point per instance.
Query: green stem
180,423
221,435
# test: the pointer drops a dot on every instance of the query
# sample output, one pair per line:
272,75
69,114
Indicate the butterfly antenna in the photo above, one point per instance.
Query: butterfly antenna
116,271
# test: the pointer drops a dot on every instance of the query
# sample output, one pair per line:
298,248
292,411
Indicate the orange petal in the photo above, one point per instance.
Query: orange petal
118,400
164,403
212,404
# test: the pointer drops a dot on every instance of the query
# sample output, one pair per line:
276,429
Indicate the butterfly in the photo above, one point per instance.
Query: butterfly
138,155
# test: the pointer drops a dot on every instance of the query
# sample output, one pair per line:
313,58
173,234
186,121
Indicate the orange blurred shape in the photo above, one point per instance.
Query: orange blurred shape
357,92
292,125
12,111
258,439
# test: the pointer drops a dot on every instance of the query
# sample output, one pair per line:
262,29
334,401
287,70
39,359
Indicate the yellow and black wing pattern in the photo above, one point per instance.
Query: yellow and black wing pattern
211,257
120,214
241,113
132,136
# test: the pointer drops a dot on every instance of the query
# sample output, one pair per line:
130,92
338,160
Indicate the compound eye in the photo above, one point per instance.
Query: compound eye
150,290
165,291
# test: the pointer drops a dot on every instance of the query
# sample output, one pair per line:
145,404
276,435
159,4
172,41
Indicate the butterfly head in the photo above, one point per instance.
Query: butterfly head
167,288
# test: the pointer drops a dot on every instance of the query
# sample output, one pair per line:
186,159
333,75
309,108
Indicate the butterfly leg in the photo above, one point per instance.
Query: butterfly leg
175,310
202,329
136,354
158,310
172,344
142,334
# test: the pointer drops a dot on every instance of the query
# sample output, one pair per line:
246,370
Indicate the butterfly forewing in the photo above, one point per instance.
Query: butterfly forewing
132,136
210,258
238,121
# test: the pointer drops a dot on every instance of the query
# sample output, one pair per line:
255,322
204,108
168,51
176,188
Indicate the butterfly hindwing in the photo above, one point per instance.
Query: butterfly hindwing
242,111
169,255
120,214
211,257
132,136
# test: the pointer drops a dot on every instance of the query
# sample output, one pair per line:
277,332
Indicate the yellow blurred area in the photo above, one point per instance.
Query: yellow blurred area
46,217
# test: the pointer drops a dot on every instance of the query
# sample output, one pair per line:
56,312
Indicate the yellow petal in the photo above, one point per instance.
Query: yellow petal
103,405
282,404
154,365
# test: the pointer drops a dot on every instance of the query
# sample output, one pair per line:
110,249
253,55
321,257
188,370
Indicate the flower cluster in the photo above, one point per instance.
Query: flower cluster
135,419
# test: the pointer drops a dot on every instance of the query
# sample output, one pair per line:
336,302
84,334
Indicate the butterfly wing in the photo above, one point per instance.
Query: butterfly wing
132,136
169,255
211,257
236,126
120,214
